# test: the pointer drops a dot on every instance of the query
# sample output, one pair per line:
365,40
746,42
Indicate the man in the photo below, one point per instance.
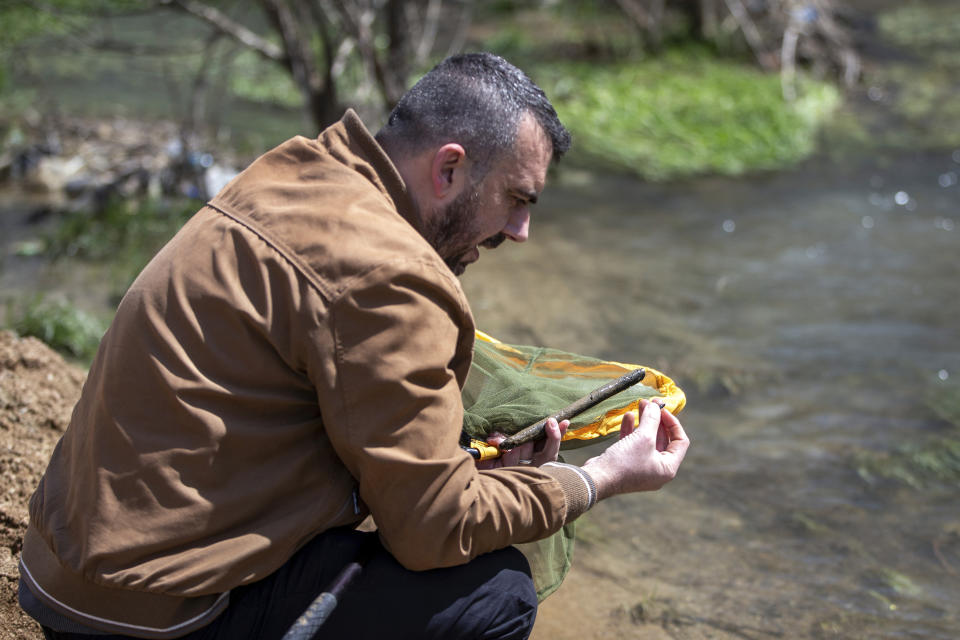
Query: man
292,362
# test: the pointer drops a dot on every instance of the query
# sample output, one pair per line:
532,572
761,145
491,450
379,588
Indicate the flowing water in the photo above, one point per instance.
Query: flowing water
812,318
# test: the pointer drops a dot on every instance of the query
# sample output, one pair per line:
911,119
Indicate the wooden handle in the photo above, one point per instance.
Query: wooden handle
595,397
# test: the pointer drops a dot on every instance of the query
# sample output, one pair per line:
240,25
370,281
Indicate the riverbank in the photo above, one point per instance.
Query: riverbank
687,109
37,392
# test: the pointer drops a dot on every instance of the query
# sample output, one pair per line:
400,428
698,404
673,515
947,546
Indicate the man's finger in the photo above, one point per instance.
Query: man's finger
662,438
679,442
650,420
495,438
628,424
518,455
672,427
551,446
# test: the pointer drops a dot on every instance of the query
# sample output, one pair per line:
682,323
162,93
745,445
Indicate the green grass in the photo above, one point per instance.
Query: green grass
920,26
257,80
684,113
121,225
919,466
124,235
934,460
945,402
72,332
686,110
913,90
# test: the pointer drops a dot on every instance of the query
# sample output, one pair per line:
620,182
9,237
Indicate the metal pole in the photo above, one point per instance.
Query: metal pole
310,621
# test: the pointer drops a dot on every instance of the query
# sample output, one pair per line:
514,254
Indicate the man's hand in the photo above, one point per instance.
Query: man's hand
530,453
645,458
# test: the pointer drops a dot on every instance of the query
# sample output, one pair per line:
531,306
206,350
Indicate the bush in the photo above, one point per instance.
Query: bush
685,113
124,235
58,323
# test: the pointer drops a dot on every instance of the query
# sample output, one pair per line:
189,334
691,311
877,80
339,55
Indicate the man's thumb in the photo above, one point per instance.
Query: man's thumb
650,419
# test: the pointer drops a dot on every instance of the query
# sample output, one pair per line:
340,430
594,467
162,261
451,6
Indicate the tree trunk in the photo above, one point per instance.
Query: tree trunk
399,53
709,19
319,94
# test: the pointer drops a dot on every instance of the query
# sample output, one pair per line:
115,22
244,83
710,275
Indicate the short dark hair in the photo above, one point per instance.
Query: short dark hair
476,100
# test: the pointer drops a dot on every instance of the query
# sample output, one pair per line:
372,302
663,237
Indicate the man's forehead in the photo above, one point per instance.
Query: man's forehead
527,167
531,138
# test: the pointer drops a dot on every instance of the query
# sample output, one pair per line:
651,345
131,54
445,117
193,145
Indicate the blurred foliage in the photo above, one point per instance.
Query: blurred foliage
924,89
686,110
72,332
934,460
126,234
909,99
945,402
918,26
918,466
257,80
20,22
120,223
593,31
23,20
566,30
83,64
684,113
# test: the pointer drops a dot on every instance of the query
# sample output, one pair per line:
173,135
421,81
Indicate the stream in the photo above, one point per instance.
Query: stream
810,316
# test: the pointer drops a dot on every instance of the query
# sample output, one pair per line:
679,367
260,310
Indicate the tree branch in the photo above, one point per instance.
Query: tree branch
360,26
110,45
428,31
226,25
463,25
750,33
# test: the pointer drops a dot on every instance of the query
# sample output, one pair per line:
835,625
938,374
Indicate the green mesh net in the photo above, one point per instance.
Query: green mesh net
511,387
550,559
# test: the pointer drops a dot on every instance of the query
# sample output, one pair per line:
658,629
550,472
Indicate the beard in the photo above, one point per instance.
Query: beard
453,231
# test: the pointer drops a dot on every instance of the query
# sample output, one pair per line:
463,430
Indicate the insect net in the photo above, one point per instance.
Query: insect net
512,386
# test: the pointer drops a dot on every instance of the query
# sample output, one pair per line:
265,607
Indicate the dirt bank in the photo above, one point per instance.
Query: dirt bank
37,392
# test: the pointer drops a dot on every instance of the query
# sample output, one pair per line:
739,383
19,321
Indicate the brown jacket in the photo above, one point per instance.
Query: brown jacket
289,362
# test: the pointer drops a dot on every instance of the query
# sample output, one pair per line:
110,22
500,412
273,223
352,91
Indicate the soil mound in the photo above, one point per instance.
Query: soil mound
38,389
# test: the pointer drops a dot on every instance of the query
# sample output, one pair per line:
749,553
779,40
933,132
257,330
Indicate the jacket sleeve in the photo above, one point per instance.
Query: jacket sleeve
403,336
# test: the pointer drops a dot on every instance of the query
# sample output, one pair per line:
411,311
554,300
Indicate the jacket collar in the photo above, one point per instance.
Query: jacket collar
351,132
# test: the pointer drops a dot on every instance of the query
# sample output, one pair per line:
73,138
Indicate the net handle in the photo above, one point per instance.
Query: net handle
595,397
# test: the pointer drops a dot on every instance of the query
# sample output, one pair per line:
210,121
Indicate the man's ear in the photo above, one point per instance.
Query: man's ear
448,170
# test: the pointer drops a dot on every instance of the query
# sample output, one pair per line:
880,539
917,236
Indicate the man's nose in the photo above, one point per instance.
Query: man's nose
518,226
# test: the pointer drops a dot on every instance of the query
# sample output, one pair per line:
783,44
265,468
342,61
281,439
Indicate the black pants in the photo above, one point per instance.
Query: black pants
491,597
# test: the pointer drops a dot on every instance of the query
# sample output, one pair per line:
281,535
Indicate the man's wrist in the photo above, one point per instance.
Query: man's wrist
580,491
601,479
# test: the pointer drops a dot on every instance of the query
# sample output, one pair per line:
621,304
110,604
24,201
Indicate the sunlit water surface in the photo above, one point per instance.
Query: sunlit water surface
812,319
810,316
